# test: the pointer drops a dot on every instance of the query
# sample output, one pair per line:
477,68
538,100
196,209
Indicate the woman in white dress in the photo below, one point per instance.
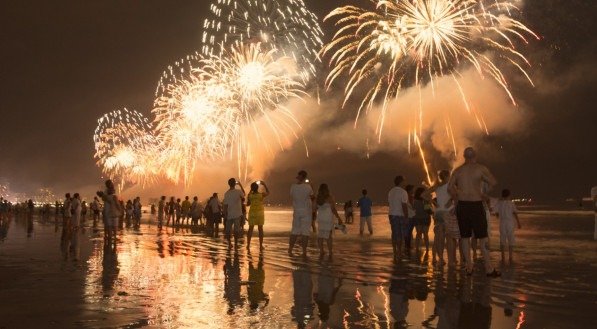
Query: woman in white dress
326,211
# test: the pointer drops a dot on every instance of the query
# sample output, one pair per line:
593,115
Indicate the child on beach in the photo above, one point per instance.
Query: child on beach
507,212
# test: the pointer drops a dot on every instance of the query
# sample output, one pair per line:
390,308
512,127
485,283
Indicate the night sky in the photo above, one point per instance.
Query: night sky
66,63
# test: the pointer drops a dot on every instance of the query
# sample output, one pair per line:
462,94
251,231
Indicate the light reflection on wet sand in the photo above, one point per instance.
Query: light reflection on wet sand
181,278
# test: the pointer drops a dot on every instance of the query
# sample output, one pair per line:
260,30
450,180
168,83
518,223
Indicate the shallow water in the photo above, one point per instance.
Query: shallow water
182,278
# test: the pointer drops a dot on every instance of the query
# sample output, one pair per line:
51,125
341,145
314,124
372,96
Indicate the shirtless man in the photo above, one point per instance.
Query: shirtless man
466,188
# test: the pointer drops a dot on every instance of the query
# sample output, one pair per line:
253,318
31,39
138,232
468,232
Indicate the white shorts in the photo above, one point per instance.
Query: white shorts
506,235
301,223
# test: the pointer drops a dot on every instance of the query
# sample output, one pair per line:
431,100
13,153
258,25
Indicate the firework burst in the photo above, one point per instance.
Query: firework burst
124,144
203,118
284,25
411,42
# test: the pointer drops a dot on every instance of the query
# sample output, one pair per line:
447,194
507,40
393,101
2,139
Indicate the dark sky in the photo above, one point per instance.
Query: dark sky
66,63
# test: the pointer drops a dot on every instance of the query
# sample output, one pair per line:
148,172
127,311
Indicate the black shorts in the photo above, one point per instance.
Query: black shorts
471,218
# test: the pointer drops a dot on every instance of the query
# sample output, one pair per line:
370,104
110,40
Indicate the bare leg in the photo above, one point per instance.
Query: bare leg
418,238
236,232
503,253
321,251
330,244
451,252
260,228
362,226
465,243
397,245
486,256
510,249
441,242
250,234
291,243
304,242
474,242
426,238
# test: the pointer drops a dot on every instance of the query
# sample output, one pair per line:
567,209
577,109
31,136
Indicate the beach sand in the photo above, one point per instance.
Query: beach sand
181,278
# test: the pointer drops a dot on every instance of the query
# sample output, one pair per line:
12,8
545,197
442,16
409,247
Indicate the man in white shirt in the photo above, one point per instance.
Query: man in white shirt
594,198
302,204
398,202
233,209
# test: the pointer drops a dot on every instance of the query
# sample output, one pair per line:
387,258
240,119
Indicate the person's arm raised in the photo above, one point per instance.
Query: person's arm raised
453,184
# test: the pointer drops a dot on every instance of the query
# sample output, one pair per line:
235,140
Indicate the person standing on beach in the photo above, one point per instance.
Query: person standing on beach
215,212
67,211
76,206
195,211
161,208
178,211
423,219
113,209
170,213
83,210
507,212
410,191
348,212
137,212
256,212
398,212
302,204
186,208
326,211
443,205
466,188
594,198
95,208
365,205
233,210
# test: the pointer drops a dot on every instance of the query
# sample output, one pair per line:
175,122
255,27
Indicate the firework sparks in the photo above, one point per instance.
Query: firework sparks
284,25
406,42
204,116
194,120
123,145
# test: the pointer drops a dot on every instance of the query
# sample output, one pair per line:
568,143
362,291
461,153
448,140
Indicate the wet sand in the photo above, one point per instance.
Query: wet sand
181,278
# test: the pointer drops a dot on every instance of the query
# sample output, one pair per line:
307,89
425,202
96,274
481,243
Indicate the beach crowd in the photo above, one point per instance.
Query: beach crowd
458,204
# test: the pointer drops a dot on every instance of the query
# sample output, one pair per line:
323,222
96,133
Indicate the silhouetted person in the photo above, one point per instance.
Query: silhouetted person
466,188
232,280
302,310
257,298
327,289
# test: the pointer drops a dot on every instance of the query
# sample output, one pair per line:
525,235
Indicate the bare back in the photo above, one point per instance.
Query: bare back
467,181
